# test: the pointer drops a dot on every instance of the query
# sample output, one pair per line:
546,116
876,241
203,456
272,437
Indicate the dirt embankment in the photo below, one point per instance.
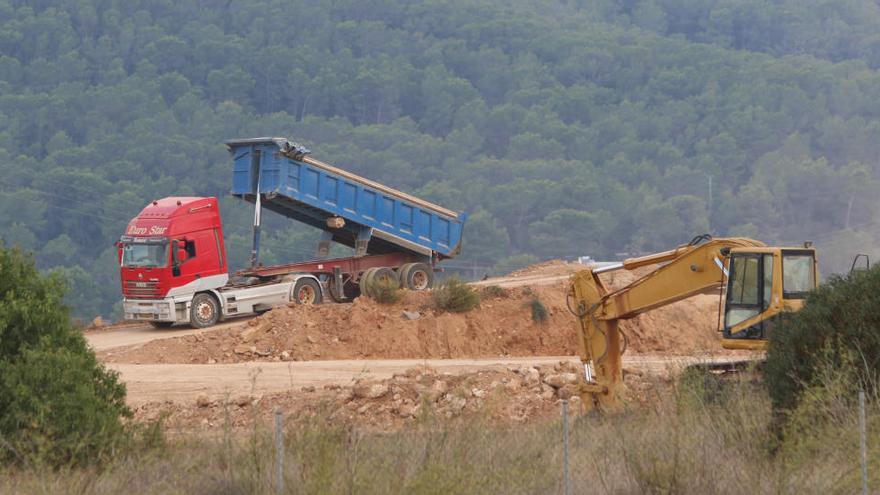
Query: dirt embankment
502,325
514,395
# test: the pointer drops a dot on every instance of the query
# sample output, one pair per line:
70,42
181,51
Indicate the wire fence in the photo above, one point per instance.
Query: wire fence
658,452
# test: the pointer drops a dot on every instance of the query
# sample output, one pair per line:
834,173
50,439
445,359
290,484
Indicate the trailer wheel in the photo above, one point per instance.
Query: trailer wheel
366,281
306,291
204,310
416,276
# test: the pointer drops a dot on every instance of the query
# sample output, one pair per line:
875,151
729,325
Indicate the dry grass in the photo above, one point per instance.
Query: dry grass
684,444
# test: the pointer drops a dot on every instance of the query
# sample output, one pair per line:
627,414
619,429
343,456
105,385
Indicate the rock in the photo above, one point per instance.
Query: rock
285,355
267,352
533,376
98,322
456,404
311,340
253,349
203,401
242,400
513,385
241,349
308,388
345,395
547,394
253,332
567,392
406,411
437,391
364,408
478,393
559,380
212,361
412,315
374,391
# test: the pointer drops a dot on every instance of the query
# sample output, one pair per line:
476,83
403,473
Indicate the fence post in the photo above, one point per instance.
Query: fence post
863,442
565,479
279,452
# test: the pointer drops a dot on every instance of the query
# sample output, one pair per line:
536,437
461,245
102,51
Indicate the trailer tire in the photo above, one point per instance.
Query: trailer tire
204,310
366,281
306,291
416,276
387,275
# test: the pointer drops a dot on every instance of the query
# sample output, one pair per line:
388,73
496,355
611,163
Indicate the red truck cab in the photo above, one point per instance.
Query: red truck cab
170,252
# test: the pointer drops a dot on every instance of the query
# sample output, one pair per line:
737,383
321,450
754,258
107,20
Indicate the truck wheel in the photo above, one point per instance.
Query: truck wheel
306,291
366,281
204,310
385,275
162,324
416,276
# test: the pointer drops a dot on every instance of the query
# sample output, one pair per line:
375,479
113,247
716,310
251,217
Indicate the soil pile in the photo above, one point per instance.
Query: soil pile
503,325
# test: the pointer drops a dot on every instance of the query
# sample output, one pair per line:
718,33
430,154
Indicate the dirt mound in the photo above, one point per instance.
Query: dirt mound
514,395
502,325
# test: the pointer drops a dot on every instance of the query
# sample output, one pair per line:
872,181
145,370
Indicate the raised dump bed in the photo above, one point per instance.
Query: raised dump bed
354,211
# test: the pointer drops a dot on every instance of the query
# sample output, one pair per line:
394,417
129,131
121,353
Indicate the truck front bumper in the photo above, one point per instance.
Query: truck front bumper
149,309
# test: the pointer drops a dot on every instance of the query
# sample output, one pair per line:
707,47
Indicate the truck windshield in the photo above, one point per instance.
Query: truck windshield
153,255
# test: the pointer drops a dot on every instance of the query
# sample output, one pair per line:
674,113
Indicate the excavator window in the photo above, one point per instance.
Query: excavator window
743,297
750,287
797,274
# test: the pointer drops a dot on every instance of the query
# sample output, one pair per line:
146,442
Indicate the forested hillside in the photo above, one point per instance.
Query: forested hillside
564,128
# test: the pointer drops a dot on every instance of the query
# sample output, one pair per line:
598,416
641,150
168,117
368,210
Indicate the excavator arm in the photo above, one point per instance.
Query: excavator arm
693,268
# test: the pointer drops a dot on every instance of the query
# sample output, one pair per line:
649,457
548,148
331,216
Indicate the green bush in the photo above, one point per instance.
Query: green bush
385,291
456,296
58,405
838,325
491,292
539,311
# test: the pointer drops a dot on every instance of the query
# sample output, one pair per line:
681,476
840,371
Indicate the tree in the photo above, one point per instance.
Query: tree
58,405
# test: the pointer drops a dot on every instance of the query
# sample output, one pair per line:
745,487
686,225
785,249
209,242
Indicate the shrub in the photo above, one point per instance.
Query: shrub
385,291
539,311
456,296
58,405
839,324
491,292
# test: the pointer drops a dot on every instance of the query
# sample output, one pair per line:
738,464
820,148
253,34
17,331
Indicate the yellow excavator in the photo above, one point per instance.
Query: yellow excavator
762,284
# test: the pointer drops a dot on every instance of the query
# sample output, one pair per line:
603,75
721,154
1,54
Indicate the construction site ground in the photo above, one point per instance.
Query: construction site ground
384,365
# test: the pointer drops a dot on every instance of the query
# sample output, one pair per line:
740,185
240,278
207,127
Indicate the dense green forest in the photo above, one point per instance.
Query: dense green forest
564,128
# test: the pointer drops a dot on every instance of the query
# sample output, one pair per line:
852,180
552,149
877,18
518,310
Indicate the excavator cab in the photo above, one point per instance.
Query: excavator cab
763,285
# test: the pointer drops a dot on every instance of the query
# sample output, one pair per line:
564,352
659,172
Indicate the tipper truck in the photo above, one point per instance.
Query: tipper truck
173,258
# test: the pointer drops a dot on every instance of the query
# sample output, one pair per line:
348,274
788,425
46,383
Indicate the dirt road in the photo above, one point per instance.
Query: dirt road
182,383
125,335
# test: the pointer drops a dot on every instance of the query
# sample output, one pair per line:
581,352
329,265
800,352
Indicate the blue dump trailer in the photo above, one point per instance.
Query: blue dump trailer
395,236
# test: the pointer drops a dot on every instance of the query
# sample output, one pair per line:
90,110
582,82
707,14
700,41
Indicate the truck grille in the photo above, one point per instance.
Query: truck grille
141,290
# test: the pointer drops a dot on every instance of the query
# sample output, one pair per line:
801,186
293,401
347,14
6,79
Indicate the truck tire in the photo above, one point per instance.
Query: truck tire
416,276
204,310
306,291
162,324
385,275
366,281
